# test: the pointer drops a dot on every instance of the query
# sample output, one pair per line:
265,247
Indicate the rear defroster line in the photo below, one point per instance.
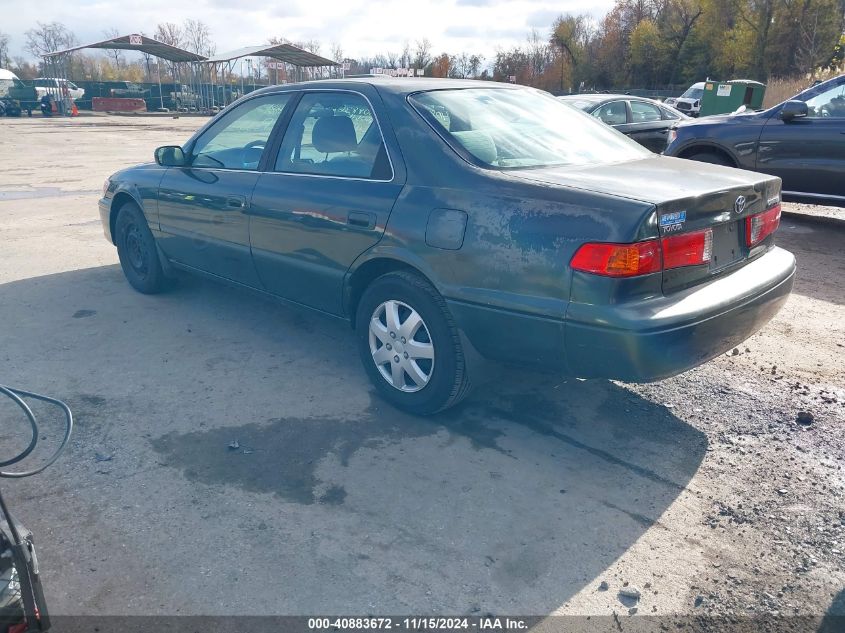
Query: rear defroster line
16,542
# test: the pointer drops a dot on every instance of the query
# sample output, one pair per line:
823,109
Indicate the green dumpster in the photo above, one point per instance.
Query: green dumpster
729,96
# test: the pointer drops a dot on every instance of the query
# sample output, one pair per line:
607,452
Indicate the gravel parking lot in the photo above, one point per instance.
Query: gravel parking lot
704,491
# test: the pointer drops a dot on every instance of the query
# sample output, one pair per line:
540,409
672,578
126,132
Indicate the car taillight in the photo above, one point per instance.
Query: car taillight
687,249
618,260
759,227
642,258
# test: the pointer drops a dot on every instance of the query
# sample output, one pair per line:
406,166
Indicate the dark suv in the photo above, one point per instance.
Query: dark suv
801,140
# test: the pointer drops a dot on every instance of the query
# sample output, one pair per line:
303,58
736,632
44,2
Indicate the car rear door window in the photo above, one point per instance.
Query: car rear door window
334,134
613,113
238,139
642,112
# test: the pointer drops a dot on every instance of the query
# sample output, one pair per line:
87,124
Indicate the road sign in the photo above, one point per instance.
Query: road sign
136,40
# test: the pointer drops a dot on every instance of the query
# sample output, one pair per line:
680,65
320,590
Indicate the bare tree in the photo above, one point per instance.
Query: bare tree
114,54
422,53
148,75
312,46
812,47
48,38
198,37
169,33
539,54
337,55
23,68
392,58
4,51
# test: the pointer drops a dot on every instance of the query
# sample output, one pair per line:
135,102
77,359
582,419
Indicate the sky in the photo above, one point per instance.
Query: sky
362,28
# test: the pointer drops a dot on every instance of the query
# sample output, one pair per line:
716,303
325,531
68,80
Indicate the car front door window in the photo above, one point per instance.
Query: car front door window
830,103
334,134
237,141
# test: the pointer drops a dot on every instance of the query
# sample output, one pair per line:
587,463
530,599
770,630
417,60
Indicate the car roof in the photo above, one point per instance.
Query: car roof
396,85
597,98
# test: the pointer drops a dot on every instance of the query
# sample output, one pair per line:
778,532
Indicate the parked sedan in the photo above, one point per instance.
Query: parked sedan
449,221
801,140
644,120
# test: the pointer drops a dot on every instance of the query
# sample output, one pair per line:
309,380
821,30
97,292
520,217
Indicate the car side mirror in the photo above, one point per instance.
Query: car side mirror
171,156
792,110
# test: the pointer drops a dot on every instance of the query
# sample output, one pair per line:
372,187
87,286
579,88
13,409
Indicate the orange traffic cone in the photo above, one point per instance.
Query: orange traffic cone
74,111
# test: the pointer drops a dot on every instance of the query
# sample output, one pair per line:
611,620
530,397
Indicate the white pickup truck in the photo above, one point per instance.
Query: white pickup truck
690,102
43,83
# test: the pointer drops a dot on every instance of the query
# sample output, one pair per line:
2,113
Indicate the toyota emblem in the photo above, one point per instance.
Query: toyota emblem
739,205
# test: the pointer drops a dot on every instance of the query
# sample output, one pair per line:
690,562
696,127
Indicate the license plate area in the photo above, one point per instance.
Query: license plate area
728,247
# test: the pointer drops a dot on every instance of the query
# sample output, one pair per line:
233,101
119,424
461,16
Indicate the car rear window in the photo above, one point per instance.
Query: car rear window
581,104
521,128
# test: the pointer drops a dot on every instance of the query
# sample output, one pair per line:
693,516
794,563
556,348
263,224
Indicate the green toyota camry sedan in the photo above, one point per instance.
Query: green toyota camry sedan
450,221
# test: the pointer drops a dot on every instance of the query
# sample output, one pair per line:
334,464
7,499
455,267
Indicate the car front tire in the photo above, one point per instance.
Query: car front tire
136,249
409,344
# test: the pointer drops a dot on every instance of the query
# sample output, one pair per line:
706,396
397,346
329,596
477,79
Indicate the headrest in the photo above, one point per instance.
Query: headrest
478,143
334,134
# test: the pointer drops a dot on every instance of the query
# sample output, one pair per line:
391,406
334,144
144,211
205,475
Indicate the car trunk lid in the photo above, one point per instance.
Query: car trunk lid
688,198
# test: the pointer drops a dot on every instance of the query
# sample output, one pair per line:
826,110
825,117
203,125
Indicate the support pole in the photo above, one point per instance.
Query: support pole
160,93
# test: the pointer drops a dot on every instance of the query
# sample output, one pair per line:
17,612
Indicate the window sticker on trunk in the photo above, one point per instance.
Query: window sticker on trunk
673,221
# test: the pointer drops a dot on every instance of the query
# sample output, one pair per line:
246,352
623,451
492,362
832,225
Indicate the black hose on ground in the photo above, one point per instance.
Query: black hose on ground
23,596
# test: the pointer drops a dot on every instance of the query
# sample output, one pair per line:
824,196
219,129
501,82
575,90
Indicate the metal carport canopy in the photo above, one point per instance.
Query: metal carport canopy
139,43
283,52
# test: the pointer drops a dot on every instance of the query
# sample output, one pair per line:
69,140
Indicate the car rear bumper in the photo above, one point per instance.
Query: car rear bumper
658,338
640,341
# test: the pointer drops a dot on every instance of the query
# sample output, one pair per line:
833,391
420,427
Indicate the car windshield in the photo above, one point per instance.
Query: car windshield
505,128
693,93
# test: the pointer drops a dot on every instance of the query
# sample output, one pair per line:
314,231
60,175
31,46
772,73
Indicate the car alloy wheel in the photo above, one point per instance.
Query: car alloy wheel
401,346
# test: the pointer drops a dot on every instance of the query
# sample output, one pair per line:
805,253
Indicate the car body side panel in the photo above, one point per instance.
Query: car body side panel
140,183
203,221
785,151
737,136
513,263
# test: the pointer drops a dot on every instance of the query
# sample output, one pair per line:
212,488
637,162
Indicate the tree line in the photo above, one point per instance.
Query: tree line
639,43
654,43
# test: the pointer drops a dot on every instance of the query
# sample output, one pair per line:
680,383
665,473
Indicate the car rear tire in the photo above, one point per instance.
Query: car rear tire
409,344
136,248
712,158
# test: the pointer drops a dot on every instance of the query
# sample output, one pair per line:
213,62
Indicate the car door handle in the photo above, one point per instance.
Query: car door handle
236,202
361,219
